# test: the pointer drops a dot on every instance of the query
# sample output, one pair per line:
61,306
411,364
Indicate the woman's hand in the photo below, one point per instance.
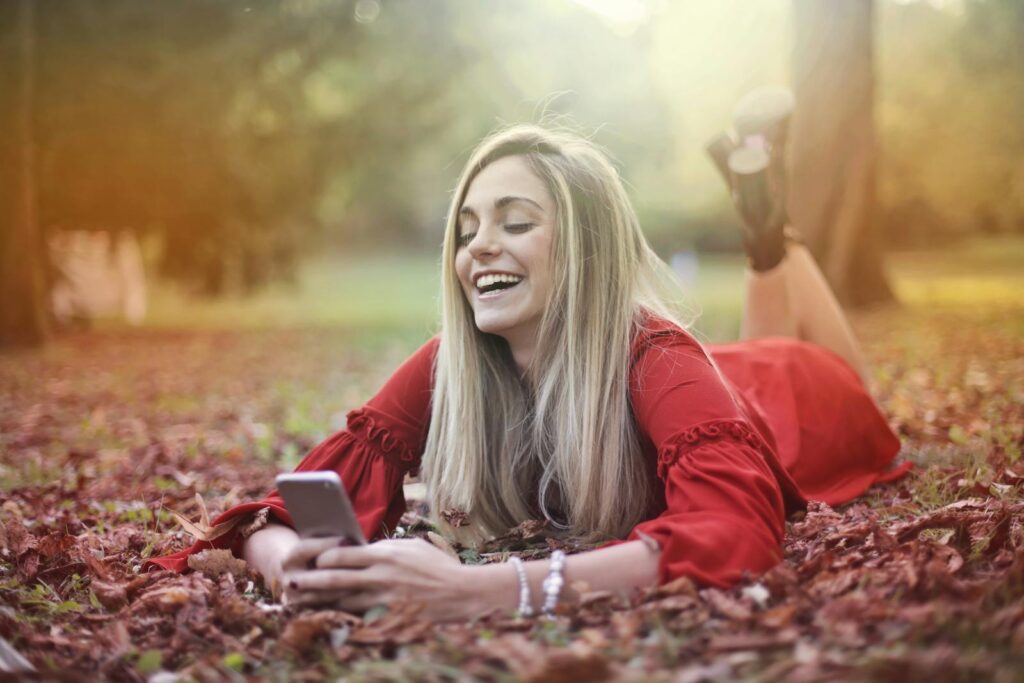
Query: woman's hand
328,571
266,550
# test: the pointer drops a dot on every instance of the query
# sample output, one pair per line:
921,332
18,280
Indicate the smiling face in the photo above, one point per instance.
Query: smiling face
503,261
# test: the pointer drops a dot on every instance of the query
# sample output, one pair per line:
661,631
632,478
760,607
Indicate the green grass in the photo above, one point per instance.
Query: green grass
387,293
378,291
392,293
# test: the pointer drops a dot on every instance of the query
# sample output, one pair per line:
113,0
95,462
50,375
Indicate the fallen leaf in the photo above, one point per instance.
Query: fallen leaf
215,561
113,596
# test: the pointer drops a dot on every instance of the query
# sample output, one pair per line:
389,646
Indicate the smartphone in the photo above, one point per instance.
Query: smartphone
319,505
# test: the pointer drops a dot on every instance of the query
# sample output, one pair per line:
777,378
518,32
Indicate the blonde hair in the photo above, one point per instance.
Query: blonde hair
504,450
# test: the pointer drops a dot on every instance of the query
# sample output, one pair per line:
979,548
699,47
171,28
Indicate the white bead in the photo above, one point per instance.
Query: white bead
552,584
524,588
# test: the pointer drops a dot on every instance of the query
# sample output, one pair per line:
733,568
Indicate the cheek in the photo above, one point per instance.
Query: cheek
542,263
462,267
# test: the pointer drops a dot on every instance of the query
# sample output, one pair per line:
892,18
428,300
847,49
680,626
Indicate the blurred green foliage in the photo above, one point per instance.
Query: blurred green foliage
383,296
242,136
221,127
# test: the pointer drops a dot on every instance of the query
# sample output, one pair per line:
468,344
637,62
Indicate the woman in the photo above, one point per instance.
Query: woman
562,387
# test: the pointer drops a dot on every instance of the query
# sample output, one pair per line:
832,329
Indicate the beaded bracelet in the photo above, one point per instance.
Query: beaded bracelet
553,583
525,608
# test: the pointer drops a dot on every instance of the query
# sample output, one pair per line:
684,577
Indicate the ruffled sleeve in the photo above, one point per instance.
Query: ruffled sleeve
726,494
724,510
382,442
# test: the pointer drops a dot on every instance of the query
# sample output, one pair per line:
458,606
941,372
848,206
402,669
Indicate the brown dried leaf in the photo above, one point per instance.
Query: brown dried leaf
173,596
28,565
530,531
232,610
168,599
97,566
752,641
114,640
726,605
203,532
454,517
684,585
259,520
55,543
303,631
113,596
215,561
779,616
531,528
401,624
17,538
564,665
515,651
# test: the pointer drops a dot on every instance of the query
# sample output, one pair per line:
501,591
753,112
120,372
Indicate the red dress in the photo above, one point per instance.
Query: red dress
735,448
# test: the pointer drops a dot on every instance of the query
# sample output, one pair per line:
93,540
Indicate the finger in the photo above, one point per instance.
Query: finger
330,580
353,557
306,550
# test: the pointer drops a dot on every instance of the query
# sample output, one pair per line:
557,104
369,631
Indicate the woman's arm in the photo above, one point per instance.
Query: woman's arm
401,571
266,550
620,569
381,442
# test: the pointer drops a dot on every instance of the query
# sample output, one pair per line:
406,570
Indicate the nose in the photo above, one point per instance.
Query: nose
485,242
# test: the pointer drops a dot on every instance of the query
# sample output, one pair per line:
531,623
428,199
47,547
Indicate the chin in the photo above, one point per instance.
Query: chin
492,325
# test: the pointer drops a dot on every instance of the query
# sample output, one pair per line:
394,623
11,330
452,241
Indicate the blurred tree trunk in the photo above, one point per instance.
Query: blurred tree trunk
833,199
23,313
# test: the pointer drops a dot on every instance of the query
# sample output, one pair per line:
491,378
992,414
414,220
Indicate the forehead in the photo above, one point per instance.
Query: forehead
508,176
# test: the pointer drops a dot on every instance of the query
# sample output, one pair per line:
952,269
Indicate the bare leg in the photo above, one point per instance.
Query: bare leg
767,307
794,300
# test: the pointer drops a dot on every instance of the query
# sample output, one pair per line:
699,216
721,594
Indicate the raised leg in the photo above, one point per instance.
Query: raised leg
787,295
767,306
793,299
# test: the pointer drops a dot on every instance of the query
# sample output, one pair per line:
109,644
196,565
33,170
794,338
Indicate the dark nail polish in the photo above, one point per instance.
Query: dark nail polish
344,542
293,584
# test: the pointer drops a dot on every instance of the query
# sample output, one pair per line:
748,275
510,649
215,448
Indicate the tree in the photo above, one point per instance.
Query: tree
833,198
220,128
23,316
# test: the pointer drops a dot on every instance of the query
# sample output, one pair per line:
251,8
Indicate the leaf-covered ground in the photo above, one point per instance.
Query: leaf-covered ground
103,433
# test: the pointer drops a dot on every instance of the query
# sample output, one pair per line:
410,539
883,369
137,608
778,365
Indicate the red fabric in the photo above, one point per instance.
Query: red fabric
736,444
745,439
829,433
382,441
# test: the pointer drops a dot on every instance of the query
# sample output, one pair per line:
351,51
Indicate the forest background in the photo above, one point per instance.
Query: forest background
237,139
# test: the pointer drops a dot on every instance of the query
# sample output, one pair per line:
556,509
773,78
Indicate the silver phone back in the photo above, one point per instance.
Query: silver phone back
319,505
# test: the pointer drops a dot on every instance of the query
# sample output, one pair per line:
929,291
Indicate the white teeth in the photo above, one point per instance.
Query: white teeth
488,280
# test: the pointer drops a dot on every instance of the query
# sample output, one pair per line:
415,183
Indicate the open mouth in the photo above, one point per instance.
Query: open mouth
490,286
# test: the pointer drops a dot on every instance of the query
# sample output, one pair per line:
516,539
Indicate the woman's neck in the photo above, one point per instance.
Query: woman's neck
522,344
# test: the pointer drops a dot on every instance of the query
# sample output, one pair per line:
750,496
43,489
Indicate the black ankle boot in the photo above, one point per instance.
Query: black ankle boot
754,170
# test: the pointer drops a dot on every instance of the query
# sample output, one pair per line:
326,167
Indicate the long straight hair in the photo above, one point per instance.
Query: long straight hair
561,443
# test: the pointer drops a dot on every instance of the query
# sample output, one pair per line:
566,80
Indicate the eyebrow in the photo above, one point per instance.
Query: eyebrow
500,203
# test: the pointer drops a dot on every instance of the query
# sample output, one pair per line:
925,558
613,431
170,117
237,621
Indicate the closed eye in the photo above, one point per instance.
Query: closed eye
515,228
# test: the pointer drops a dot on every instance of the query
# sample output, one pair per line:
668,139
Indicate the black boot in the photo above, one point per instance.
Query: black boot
754,169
